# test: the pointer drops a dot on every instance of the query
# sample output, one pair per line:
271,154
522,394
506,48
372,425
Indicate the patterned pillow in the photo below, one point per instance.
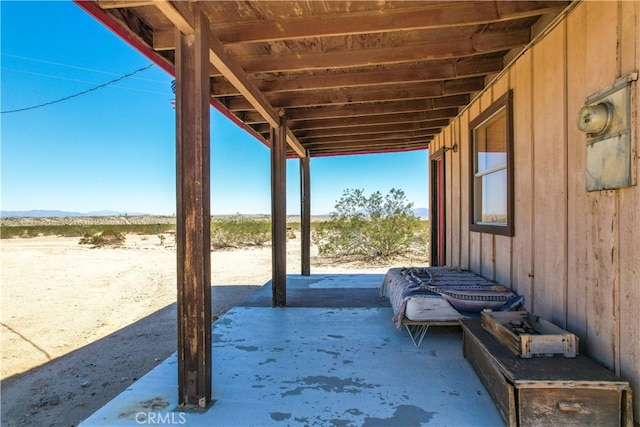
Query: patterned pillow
476,300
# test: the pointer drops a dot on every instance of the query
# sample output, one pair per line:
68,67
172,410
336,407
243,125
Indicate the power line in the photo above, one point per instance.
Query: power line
81,93
53,76
60,64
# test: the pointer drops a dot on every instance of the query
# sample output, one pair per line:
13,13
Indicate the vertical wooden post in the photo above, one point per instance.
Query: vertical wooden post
278,214
193,237
305,214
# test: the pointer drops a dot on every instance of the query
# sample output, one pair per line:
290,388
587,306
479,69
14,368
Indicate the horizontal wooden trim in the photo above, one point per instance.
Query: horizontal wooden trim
503,230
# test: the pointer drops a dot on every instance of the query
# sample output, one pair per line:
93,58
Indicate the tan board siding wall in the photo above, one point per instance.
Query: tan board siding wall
575,255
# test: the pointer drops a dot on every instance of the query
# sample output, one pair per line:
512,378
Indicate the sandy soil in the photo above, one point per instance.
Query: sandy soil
79,325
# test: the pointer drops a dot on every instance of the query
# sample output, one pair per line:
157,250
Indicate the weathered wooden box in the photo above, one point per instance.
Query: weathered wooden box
546,339
546,391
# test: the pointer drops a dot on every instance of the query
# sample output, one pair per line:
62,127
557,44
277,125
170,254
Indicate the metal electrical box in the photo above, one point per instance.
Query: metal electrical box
606,118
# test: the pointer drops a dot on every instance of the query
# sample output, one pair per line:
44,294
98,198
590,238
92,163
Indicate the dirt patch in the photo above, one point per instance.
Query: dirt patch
79,325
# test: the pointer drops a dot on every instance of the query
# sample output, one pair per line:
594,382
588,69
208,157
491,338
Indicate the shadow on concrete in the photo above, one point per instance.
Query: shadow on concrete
100,370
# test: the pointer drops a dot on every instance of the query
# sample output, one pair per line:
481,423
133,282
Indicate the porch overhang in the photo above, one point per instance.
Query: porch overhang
351,77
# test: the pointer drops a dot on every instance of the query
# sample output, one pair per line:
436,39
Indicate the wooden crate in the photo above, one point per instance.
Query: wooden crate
548,340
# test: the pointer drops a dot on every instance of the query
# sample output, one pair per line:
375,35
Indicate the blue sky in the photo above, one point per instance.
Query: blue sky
114,148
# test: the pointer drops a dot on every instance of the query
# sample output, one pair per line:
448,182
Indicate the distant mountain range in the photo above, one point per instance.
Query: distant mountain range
54,213
421,212
39,213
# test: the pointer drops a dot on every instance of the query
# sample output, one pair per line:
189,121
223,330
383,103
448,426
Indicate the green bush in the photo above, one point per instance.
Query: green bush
106,238
371,227
238,231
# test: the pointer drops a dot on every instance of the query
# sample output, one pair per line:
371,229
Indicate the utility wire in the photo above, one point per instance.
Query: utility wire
53,76
81,93
60,64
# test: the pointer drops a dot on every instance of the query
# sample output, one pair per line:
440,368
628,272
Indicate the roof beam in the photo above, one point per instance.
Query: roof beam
237,76
401,146
367,143
350,96
312,142
427,71
361,148
430,118
185,24
293,142
390,109
409,119
365,130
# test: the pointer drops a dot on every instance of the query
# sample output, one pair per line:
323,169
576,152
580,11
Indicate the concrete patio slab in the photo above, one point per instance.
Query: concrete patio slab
316,366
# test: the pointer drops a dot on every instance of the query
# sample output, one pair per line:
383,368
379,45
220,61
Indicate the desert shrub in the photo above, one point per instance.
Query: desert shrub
12,231
370,227
105,238
238,231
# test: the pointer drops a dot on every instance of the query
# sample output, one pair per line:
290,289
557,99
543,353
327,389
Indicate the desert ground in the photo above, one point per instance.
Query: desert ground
80,324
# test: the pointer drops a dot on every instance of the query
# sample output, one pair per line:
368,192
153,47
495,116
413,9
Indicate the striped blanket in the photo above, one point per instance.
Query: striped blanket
467,292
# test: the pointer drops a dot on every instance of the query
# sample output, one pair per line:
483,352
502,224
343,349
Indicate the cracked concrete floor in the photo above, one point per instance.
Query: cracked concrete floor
317,366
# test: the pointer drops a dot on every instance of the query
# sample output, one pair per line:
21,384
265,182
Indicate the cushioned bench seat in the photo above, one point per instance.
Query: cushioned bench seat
430,296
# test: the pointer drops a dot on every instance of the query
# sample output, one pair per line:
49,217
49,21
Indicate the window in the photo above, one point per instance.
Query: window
492,169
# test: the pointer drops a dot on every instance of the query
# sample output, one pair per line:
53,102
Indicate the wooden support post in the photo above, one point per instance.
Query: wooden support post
305,214
193,237
278,214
